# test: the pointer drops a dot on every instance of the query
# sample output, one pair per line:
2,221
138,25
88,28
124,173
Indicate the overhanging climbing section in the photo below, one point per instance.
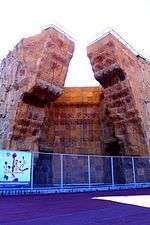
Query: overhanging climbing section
119,71
31,76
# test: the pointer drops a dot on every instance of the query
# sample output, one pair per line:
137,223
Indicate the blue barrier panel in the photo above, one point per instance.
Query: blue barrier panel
100,170
142,169
46,170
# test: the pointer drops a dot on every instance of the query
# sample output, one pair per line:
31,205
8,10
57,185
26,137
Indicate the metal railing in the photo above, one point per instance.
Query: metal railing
62,171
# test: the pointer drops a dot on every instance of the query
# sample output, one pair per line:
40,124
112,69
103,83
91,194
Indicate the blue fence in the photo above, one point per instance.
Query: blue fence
63,171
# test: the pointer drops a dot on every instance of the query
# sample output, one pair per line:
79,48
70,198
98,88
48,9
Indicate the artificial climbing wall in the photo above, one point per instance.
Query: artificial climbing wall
31,76
73,122
125,78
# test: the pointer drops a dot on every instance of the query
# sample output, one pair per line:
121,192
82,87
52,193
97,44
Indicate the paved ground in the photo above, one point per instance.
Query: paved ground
73,209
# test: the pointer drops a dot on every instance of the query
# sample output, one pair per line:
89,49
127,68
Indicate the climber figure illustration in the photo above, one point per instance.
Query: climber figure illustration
14,167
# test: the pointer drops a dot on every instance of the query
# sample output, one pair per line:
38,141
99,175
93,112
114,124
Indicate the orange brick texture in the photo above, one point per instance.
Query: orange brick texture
72,124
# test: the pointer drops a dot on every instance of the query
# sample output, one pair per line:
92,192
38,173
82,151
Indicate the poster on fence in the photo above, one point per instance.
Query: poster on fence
15,167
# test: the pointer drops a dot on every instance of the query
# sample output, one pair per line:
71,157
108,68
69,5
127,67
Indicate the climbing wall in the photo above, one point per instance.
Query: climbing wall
119,71
72,124
31,76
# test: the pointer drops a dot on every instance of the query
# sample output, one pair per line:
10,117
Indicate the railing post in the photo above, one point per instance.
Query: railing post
89,172
61,171
112,171
32,168
133,168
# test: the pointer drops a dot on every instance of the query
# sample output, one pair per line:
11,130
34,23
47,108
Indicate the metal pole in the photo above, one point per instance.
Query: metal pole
61,172
32,168
133,167
112,171
89,171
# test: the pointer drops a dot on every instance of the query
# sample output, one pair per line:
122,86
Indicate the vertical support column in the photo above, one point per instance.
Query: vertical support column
112,171
61,171
32,168
89,172
133,168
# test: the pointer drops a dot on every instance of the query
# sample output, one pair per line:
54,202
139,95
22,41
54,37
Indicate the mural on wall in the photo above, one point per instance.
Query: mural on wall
15,167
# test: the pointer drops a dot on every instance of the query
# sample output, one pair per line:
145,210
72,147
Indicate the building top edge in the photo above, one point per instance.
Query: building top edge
122,40
61,30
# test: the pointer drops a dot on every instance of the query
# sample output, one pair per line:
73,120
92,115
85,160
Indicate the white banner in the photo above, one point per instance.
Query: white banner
15,167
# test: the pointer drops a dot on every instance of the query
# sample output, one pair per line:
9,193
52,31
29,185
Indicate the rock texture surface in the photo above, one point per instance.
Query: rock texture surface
35,113
72,124
125,78
31,76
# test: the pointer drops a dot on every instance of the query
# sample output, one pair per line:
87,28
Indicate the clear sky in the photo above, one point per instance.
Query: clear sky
83,19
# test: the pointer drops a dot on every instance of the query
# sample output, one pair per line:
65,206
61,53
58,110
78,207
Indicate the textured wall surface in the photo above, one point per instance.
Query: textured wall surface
38,113
125,78
72,124
31,76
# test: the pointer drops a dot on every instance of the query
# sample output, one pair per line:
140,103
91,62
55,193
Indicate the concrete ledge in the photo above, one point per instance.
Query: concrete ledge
28,191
